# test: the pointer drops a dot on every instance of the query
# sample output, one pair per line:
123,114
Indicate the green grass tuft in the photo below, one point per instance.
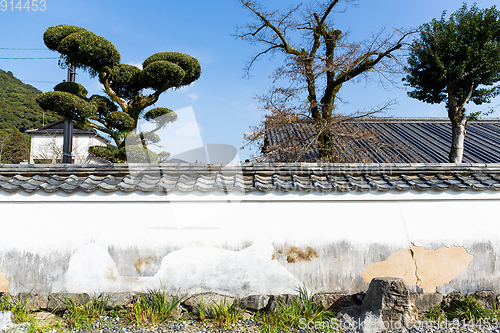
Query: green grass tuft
288,316
19,309
154,307
86,314
435,314
468,308
221,314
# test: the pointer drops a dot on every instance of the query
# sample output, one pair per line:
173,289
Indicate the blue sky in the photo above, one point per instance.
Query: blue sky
222,100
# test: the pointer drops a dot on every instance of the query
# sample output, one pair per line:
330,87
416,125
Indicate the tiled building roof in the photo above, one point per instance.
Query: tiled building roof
58,128
419,140
249,177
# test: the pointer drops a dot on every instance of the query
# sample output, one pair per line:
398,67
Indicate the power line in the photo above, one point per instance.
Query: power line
39,81
22,48
33,58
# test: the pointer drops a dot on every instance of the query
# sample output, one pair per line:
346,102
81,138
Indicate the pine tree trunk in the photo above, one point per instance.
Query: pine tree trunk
457,141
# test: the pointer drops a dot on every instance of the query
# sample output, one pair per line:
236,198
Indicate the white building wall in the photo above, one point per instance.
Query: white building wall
247,244
50,147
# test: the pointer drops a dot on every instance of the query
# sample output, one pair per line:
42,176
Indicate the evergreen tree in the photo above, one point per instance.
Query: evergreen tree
457,61
116,114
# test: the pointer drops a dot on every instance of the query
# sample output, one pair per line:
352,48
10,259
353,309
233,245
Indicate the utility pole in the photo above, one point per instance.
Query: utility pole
68,126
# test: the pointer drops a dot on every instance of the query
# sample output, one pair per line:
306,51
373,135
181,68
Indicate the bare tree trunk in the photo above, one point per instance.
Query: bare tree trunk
457,141
456,113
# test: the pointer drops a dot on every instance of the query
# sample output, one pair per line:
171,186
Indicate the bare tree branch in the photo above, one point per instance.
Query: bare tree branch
316,67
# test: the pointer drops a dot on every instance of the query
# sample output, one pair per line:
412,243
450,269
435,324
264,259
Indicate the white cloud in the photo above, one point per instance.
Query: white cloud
96,89
136,64
193,97
182,135
187,129
186,88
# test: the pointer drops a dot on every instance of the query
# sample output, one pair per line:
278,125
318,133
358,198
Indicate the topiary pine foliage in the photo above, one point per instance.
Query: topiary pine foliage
118,113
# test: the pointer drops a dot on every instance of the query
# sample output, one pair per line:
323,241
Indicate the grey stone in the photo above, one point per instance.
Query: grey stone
35,301
279,300
254,302
358,298
7,323
44,319
118,300
6,320
487,298
387,305
326,300
424,302
342,303
448,300
349,316
58,301
206,298
246,315
44,316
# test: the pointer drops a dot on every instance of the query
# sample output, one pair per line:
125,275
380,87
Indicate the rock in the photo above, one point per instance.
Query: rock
279,300
358,298
44,319
448,300
424,302
349,317
6,320
41,316
206,298
326,300
57,301
387,305
246,315
118,300
7,323
487,299
254,302
341,303
35,301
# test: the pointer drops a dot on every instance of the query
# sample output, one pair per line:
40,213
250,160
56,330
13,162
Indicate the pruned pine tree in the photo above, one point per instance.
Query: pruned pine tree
116,114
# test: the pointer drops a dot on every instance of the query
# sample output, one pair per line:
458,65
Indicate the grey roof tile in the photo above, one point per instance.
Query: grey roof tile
125,187
49,188
8,187
297,177
410,140
68,188
88,188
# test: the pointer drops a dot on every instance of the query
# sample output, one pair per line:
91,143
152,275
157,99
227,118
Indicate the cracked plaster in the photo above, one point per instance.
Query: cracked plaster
4,283
427,269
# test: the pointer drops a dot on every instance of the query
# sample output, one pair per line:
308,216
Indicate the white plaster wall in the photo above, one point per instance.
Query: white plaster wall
197,242
46,147
51,147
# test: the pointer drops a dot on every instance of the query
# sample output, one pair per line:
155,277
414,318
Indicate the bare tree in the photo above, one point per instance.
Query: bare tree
50,150
319,59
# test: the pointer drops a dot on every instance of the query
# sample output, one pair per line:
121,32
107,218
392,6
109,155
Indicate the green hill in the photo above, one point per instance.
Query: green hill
18,109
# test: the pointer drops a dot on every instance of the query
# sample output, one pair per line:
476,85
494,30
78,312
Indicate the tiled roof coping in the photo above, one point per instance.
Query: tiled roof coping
249,168
248,177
